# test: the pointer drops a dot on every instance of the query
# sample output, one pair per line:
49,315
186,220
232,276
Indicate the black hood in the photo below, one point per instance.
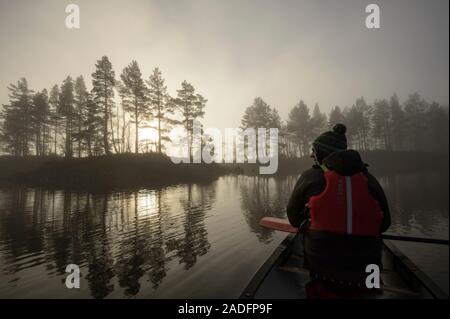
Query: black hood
346,163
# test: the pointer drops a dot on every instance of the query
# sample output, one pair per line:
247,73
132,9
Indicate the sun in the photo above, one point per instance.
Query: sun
148,134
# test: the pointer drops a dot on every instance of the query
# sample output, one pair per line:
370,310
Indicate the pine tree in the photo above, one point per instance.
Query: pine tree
92,126
66,109
17,130
397,122
55,116
260,115
336,116
135,92
298,123
191,106
40,117
103,83
80,103
11,133
382,123
124,127
354,119
161,105
318,122
415,109
365,115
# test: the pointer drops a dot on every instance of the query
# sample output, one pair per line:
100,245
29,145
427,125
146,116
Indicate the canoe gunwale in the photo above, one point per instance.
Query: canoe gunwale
407,270
412,274
280,254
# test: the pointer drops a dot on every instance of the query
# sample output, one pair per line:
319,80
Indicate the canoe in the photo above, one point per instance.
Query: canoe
282,276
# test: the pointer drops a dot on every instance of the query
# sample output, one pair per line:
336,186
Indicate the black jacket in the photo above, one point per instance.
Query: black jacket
312,182
333,256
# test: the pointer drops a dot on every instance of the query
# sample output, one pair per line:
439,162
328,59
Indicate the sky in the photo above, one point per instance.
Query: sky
235,50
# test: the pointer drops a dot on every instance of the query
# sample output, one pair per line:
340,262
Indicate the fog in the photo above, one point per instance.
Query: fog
234,51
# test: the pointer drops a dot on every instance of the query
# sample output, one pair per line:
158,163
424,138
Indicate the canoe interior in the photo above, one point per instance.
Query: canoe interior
282,276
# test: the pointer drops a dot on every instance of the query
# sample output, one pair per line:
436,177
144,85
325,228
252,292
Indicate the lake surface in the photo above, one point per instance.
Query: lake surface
184,241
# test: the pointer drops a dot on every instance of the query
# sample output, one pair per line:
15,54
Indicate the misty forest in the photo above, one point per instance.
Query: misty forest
87,140
191,150
72,121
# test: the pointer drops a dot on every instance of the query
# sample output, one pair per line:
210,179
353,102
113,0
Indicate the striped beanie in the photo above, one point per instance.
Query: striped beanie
330,142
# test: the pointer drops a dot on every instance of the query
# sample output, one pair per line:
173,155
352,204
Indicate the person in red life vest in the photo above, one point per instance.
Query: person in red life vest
342,210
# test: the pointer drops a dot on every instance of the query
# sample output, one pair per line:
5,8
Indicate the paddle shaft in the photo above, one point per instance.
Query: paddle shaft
416,239
284,225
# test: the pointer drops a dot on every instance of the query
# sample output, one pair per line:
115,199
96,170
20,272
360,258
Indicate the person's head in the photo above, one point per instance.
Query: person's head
330,142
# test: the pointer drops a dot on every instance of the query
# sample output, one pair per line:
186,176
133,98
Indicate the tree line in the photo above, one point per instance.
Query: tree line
72,121
386,124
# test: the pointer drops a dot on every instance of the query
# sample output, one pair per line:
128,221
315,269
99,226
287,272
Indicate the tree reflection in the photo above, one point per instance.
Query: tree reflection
16,229
157,257
120,235
262,196
128,242
97,248
197,200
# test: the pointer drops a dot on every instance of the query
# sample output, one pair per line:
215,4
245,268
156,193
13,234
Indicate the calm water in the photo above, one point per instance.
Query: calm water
199,240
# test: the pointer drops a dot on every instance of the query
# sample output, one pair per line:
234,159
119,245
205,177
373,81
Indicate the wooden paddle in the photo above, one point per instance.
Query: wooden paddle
278,224
284,225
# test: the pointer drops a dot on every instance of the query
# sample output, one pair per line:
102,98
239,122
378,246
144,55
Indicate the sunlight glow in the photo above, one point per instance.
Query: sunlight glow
148,134
147,204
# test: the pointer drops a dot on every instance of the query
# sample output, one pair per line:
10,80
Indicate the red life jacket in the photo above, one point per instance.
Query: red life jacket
346,206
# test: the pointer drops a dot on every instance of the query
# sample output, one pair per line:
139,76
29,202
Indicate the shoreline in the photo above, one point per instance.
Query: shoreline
156,170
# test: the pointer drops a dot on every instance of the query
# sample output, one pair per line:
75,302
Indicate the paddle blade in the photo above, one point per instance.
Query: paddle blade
278,224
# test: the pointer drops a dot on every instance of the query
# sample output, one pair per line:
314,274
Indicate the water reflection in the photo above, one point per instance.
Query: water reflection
194,241
262,196
123,235
419,203
198,240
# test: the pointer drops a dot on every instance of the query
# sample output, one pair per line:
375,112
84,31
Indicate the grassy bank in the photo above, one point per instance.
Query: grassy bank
130,170
108,171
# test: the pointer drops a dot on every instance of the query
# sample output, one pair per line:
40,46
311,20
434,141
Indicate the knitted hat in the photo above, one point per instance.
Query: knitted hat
330,142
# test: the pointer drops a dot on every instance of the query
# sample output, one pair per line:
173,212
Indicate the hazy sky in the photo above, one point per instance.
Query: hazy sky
233,51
